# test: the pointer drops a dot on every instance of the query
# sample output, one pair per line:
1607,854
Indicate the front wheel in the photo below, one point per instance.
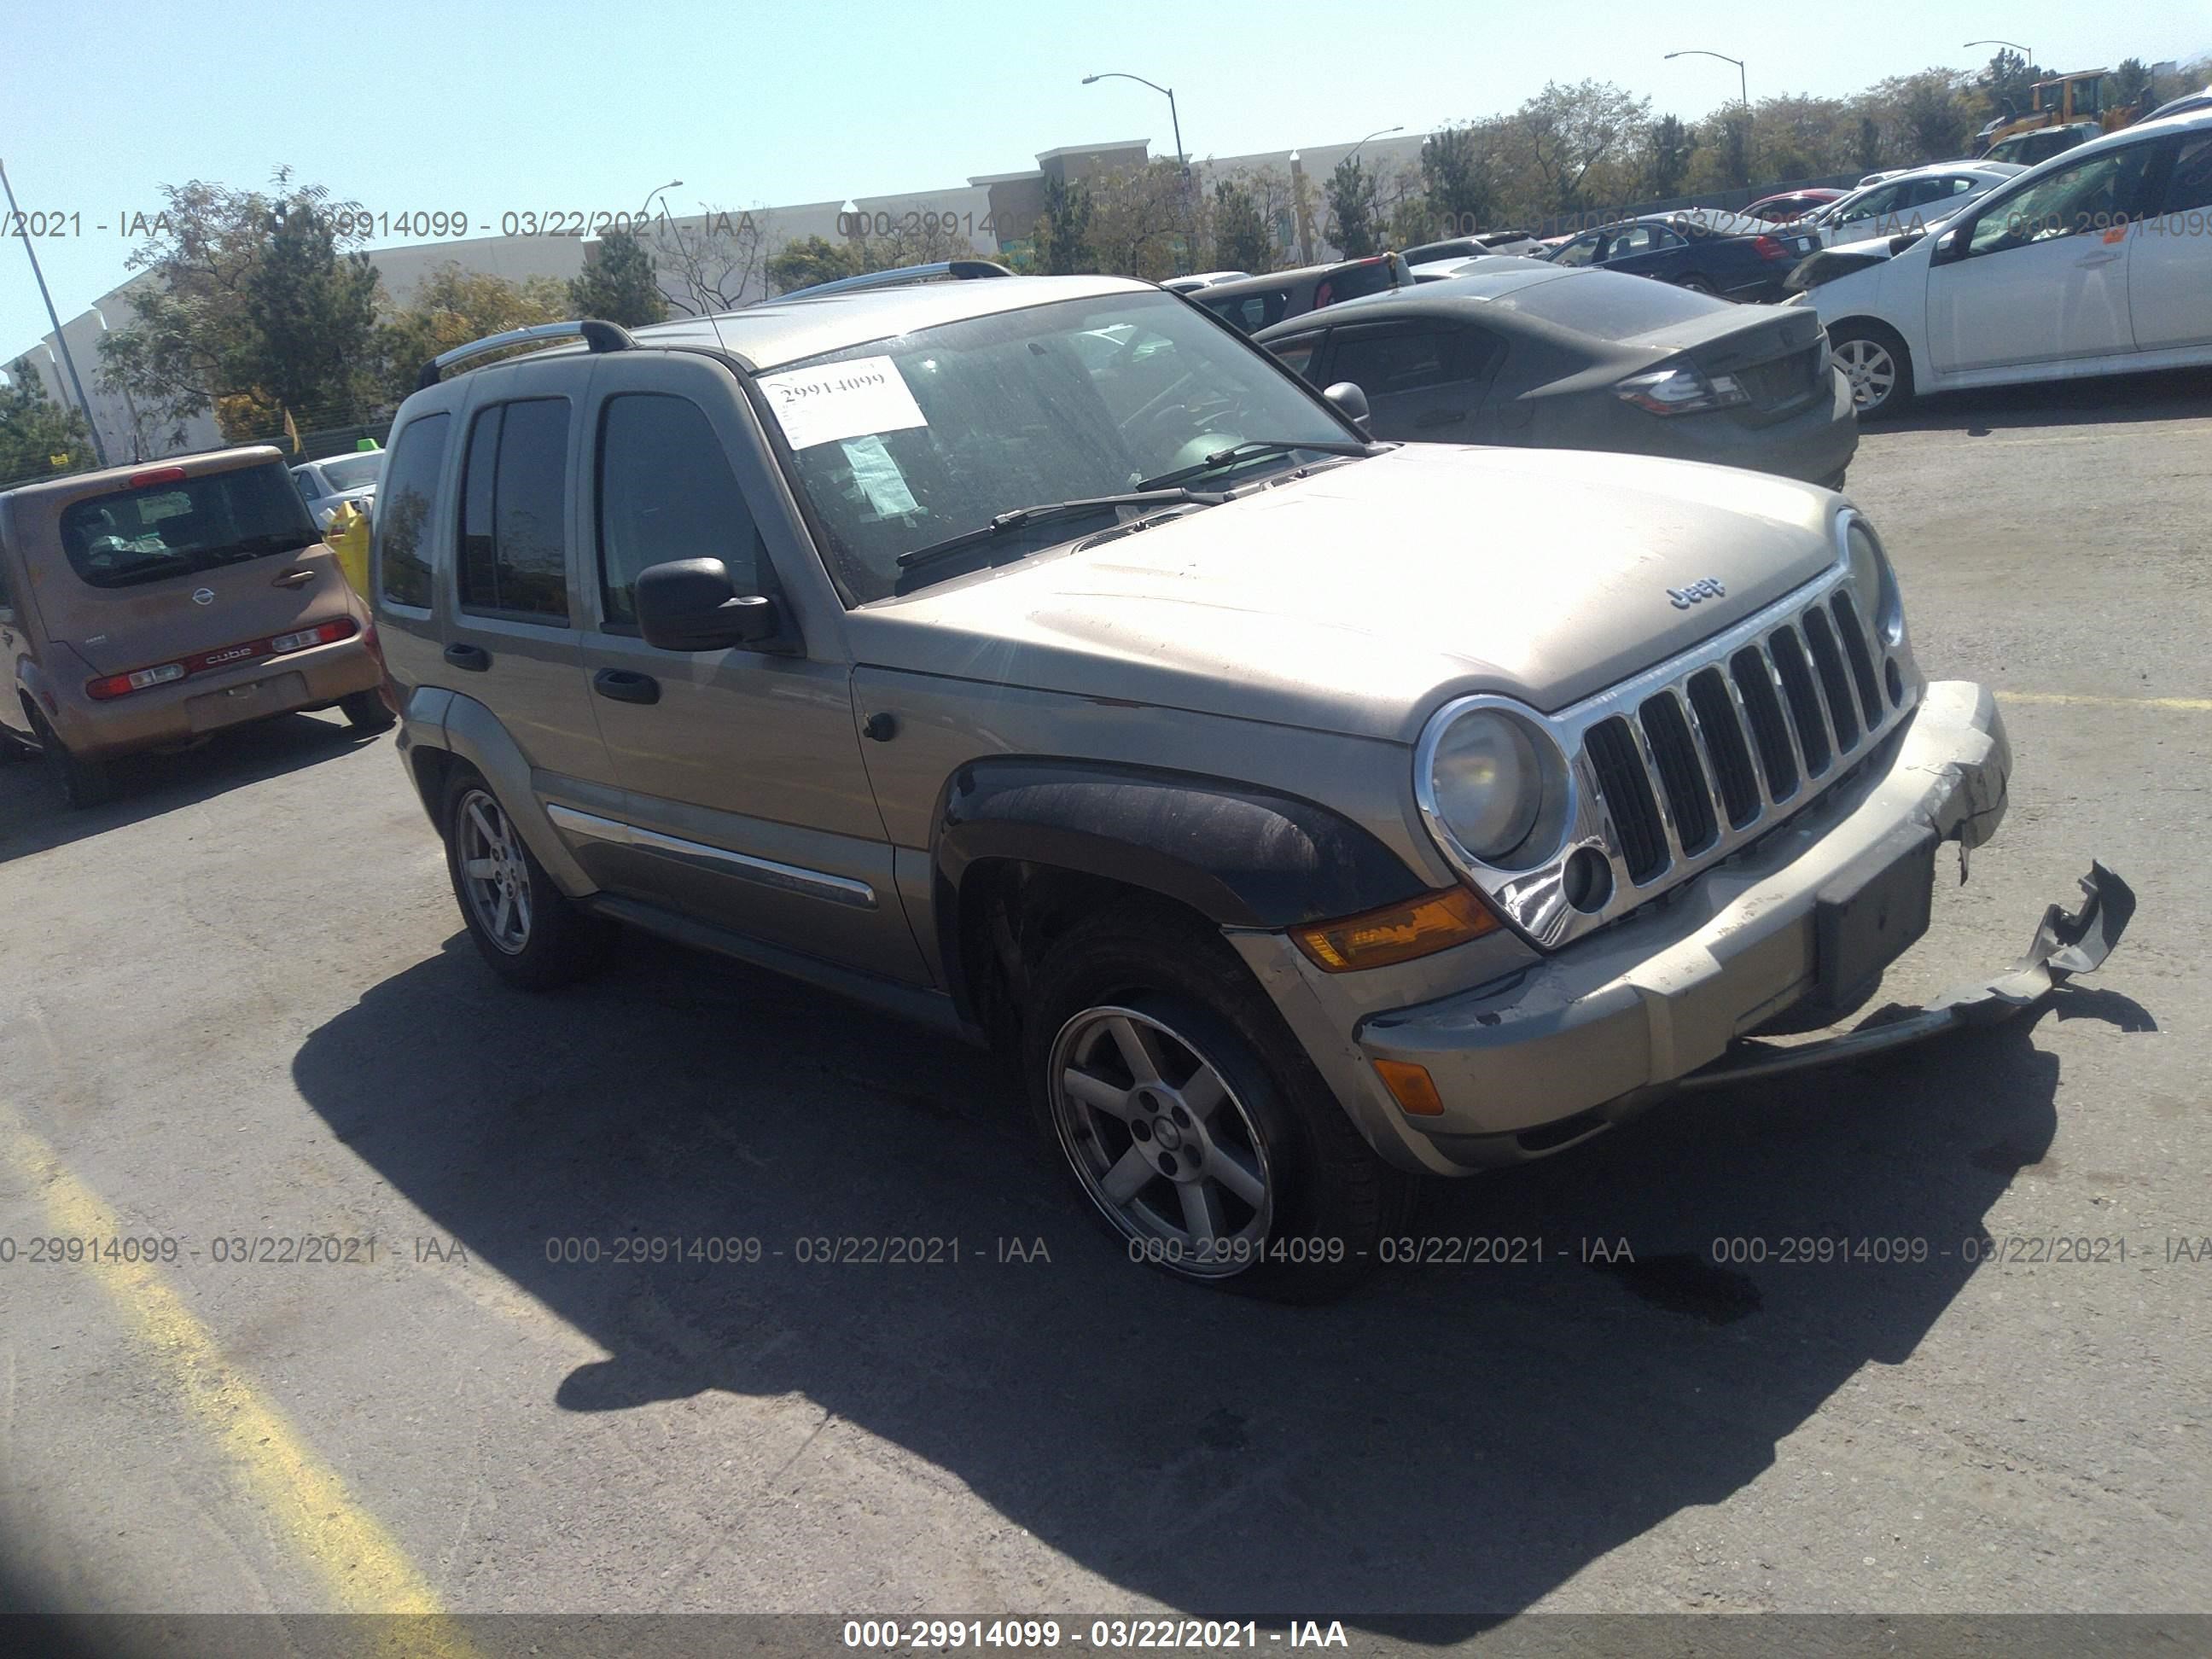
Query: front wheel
1878,367
1190,1119
1697,285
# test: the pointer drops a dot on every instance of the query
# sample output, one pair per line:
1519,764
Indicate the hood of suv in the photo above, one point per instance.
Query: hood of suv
1357,600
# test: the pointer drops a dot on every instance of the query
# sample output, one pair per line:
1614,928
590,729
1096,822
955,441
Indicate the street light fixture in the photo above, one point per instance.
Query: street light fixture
646,210
1174,120
1380,132
69,361
2026,56
1743,84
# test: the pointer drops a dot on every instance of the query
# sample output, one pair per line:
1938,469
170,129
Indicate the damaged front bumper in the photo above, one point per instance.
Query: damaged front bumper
1667,998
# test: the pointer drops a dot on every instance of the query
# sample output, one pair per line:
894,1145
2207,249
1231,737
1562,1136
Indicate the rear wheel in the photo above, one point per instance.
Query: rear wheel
531,934
84,782
1876,363
365,711
1191,1120
1697,285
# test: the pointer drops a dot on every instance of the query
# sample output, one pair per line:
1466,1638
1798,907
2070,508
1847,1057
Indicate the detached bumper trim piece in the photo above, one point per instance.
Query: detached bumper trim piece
2066,943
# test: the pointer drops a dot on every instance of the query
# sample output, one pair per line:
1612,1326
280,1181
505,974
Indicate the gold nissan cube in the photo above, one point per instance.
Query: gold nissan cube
145,607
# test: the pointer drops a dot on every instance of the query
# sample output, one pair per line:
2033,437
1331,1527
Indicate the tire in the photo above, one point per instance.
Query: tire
1295,1200
1878,366
1697,285
538,939
85,783
365,711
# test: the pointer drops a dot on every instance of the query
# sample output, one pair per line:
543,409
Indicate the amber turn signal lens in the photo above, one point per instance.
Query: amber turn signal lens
1412,1087
1399,932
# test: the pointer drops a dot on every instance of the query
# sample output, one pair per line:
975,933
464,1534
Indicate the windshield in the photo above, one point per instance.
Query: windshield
186,525
354,471
903,443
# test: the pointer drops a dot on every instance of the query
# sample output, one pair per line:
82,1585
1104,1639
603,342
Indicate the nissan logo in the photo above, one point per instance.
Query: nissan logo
204,596
1684,597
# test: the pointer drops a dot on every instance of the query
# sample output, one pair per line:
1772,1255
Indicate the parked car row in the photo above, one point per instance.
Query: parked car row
2096,262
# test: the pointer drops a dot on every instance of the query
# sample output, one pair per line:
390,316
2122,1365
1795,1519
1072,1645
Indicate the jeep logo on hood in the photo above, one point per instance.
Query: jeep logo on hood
1684,597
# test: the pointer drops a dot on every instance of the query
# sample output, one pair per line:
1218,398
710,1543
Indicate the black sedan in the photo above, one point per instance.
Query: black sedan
1518,351
1709,252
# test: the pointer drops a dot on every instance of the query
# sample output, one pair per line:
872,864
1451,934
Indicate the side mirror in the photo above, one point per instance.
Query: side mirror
690,605
1349,401
1951,244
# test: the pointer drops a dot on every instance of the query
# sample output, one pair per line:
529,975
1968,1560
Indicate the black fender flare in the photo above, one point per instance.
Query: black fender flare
1241,856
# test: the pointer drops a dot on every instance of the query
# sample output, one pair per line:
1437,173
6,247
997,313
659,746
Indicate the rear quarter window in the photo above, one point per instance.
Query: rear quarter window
402,549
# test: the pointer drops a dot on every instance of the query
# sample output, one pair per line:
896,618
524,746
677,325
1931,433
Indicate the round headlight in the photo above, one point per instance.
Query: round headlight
1876,583
1486,782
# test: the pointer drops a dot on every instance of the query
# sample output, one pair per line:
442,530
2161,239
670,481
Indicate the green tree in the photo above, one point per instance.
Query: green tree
210,323
1063,229
1242,240
2131,82
809,260
454,307
310,311
2007,84
618,283
1456,177
38,437
1569,148
1865,147
1667,157
1352,208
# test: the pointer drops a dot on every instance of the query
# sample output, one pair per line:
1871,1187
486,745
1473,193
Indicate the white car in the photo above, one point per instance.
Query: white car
1904,202
323,484
2093,262
1202,279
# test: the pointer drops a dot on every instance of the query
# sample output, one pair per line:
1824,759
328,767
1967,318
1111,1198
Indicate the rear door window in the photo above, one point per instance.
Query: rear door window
514,513
1298,353
402,552
2189,186
181,526
1380,361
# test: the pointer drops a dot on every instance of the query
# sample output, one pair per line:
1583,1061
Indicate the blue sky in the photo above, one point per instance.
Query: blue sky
405,106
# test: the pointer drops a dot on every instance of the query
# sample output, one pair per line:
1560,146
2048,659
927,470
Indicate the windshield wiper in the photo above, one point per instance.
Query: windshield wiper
1252,450
1015,518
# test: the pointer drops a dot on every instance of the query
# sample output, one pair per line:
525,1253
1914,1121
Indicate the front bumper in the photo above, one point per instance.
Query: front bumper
1576,1040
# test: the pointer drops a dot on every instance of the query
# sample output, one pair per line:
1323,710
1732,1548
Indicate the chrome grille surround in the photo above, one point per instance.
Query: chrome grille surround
1626,830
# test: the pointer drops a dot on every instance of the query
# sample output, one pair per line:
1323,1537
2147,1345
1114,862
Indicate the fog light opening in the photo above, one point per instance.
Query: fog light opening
1893,680
1587,881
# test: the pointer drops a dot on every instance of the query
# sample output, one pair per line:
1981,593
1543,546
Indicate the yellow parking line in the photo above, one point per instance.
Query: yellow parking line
2187,705
361,1564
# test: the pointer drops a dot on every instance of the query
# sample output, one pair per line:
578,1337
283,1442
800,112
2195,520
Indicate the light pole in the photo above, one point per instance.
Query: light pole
2026,56
1743,83
1380,132
1174,120
99,449
646,210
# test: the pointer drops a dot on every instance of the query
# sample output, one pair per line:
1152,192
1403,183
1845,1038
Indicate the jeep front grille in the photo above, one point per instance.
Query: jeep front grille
1673,768
1683,765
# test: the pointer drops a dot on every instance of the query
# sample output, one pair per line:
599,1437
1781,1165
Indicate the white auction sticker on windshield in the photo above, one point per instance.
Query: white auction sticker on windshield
841,400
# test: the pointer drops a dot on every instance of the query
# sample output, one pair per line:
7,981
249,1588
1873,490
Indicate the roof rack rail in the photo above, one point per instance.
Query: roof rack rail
595,334
959,270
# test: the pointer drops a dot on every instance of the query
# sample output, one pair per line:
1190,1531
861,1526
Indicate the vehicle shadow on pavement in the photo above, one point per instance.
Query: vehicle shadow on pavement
2178,394
34,816
1453,1439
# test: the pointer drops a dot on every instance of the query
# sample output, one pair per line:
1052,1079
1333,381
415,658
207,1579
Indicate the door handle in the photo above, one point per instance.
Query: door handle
474,658
2100,258
1441,417
291,578
624,686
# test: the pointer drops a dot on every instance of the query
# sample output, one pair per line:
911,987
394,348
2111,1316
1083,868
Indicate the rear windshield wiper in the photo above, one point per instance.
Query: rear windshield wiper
1254,451
1015,518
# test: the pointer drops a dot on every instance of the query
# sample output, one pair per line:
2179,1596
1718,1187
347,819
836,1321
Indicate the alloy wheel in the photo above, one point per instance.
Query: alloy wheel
494,872
1871,370
1161,1142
